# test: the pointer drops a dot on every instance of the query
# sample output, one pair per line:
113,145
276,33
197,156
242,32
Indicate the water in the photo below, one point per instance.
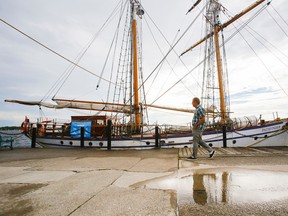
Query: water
210,186
20,140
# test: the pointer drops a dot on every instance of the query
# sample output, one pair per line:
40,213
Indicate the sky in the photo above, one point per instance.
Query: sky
257,65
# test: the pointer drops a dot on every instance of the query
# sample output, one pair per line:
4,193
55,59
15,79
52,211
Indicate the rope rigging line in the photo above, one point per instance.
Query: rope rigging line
176,83
54,52
279,15
144,99
172,47
280,60
277,23
115,39
208,67
126,68
57,83
266,41
266,67
199,59
160,67
226,74
64,76
140,60
162,60
141,77
171,67
246,24
227,40
124,65
122,62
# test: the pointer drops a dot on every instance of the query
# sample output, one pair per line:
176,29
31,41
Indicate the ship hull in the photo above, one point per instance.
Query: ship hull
260,136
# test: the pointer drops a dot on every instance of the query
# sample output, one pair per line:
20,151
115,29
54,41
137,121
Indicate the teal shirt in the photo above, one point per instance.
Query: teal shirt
198,114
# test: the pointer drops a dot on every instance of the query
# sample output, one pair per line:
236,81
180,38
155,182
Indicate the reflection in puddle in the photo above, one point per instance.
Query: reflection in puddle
226,186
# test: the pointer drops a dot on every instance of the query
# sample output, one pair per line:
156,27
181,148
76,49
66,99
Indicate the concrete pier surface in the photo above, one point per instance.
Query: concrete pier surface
237,181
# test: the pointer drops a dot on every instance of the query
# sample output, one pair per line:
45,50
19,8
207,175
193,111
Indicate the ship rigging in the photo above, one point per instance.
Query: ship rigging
129,106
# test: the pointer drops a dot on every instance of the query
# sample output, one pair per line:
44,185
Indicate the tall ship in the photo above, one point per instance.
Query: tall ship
123,120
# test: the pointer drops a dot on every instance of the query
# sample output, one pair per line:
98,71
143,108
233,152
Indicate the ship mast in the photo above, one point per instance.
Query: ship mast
136,11
217,28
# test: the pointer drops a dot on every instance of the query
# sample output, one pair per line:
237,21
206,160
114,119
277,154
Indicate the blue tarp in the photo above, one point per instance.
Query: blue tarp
76,128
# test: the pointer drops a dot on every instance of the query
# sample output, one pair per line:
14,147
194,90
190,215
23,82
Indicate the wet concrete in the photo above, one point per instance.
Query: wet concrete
12,202
224,185
153,182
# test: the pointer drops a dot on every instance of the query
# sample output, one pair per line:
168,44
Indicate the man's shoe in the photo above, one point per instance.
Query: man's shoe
211,154
191,158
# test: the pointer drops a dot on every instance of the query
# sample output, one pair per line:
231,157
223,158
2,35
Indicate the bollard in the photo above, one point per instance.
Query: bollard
82,137
157,137
224,136
109,134
33,140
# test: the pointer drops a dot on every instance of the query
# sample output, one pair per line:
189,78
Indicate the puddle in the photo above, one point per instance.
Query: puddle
207,186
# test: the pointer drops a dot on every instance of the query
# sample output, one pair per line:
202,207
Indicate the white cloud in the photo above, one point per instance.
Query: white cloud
28,71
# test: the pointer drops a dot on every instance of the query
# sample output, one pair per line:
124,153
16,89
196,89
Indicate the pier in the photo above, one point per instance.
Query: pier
237,181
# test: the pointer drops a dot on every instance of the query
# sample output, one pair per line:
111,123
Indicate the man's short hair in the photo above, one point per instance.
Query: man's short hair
196,100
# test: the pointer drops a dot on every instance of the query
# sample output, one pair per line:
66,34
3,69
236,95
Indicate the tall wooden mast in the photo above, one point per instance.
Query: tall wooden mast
217,28
134,6
223,108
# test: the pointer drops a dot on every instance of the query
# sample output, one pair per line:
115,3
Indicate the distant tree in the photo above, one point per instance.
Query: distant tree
10,128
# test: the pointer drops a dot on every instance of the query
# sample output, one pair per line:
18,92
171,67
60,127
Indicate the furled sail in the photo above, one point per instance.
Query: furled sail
33,103
98,106
77,104
93,105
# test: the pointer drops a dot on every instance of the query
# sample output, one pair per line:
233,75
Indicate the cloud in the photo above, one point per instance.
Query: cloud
28,71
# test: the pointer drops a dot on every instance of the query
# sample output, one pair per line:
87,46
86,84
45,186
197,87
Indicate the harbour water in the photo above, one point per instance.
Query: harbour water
19,139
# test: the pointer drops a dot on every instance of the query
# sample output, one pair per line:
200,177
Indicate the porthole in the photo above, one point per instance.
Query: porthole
234,141
71,143
100,144
90,143
61,142
147,143
210,144
255,138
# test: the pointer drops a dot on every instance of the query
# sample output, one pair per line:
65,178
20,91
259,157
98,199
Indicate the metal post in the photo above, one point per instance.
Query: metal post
82,137
224,136
157,137
33,140
109,134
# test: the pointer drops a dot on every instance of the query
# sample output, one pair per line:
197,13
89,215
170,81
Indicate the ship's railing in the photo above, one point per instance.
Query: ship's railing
118,130
128,130
50,129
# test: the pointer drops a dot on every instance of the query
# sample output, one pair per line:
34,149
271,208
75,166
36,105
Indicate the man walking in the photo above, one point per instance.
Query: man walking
199,124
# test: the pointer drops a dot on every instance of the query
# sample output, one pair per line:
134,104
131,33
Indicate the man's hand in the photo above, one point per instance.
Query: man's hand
200,122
